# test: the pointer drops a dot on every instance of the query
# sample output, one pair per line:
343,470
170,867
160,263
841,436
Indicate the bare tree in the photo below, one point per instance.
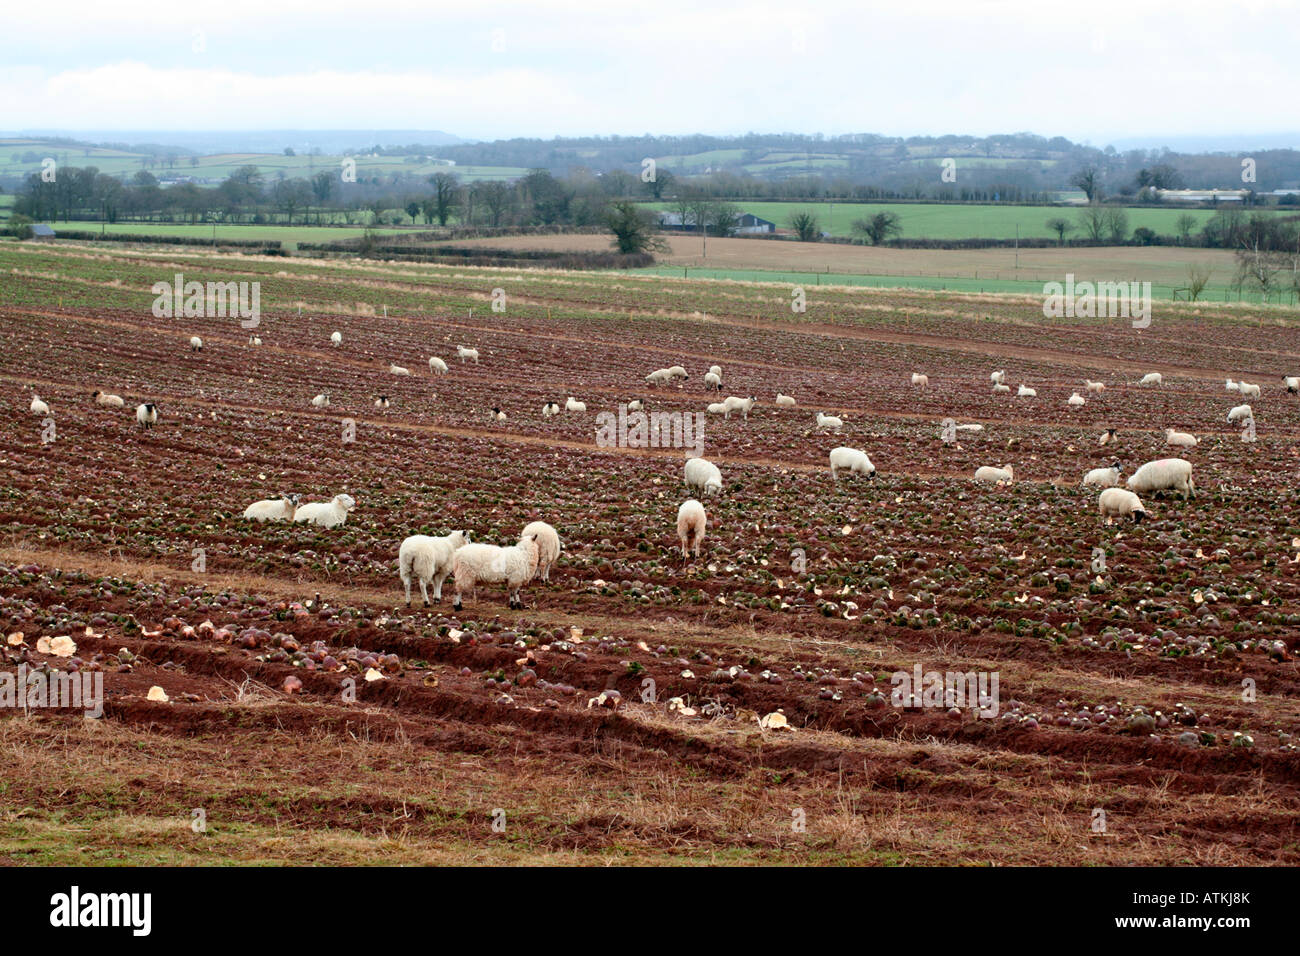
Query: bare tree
879,227
1060,225
446,195
1089,180
1198,277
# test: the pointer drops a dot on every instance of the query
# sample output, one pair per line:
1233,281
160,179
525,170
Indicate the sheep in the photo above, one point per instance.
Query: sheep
970,428
399,370
1249,391
548,546
1001,388
107,400
676,371
997,378
1117,503
784,401
660,376
336,339
1292,383
437,366
734,404
1026,392
1166,473
39,407
196,344
550,409
996,475
703,475
829,421
1181,439
635,405
712,381
327,514
1152,378
382,402
1092,386
254,340
466,353
691,525
716,408
1106,477
497,414
272,509
320,401
1076,400
146,415
477,564
715,370
573,405
1240,412
429,559
1232,386
854,461
919,379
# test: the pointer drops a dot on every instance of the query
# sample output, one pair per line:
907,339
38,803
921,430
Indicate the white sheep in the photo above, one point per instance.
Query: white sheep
997,378
327,514
398,370
784,401
39,407
852,460
146,415
254,340
1076,400
1180,439
437,366
1118,503
635,405
548,546
1240,412
477,564
1106,477
1107,437
320,401
734,404
497,414
660,376
692,522
464,353
573,405
1292,383
703,475
676,371
996,475
712,381
829,421
382,402
715,370
1026,392
1232,386
550,409
336,339
1092,386
272,509
1167,473
999,387
1249,391
196,344
970,428
1152,378
919,379
429,559
107,400
716,408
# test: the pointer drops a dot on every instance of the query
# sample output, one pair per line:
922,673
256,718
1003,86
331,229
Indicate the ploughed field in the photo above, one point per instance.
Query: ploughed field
1148,699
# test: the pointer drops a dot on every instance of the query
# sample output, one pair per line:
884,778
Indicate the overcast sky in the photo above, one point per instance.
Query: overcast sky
1098,72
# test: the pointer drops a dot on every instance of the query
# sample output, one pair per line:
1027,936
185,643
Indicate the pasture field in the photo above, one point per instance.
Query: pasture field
1146,673
285,234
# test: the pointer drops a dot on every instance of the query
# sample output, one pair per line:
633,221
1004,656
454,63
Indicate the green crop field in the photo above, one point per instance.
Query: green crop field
288,234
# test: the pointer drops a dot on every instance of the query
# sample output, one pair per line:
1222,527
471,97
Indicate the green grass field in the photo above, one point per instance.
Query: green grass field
289,234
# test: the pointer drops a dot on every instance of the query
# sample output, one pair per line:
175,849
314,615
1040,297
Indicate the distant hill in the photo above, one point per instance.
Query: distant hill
328,141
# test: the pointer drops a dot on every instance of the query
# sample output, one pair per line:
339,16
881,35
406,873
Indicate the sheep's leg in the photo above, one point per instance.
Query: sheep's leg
406,583
437,586
424,591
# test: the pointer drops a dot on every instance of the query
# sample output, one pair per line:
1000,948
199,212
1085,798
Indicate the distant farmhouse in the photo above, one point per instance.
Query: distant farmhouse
746,225
1202,195
42,233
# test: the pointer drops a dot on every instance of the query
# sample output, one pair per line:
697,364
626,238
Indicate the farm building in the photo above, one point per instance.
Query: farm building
1202,195
750,224
42,233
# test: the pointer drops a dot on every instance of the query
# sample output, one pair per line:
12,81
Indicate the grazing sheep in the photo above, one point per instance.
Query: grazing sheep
464,353
970,428
477,564
1249,391
107,400
676,371
272,509
437,366
1118,503
1076,400
1165,474
1232,386
999,387
254,340
1181,439
995,475
196,344
429,559
1292,384
146,415
1107,437
852,460
573,405
734,404
635,405
715,370
39,407
1026,392
919,379
320,401
691,525
716,408
703,475
327,514
829,421
1106,477
399,370
997,378
712,381
660,376
784,401
548,546
550,408
1092,386
382,402
336,339
1240,412
497,414
1152,378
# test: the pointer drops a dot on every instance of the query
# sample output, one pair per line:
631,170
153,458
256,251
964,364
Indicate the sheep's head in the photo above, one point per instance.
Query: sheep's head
458,539
1138,515
346,502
